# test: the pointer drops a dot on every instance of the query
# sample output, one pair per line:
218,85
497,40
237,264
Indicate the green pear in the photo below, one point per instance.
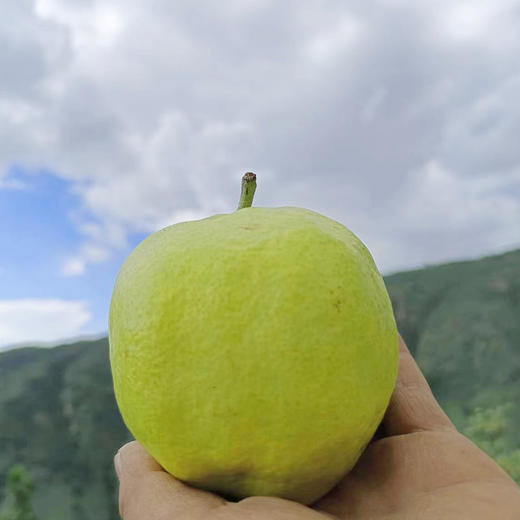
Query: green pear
255,352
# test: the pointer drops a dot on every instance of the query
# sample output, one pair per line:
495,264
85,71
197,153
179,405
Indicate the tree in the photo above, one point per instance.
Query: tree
487,428
20,488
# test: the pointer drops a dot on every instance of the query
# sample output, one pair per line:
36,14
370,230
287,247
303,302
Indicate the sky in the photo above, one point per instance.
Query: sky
400,119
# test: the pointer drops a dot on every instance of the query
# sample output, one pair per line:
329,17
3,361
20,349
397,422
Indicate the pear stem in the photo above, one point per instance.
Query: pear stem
248,190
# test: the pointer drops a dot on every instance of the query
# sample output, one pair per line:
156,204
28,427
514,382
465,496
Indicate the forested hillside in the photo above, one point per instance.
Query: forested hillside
462,322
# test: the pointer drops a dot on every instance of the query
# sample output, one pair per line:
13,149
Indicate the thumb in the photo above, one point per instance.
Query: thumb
413,407
147,491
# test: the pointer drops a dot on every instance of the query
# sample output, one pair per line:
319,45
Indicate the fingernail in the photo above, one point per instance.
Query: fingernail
117,464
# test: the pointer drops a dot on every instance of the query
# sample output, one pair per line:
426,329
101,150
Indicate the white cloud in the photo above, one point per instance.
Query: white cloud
442,217
40,320
335,38
12,184
481,137
93,24
154,112
74,266
468,20
373,105
89,253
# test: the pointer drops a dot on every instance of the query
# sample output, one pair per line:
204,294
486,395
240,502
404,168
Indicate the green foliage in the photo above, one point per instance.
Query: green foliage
20,490
461,322
510,462
487,427
62,422
58,414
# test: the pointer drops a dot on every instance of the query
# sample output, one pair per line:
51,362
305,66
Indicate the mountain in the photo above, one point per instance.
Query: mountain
59,419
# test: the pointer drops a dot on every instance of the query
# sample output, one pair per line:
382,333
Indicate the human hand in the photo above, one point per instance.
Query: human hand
421,468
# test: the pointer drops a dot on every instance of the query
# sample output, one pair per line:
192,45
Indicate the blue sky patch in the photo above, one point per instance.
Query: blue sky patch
38,232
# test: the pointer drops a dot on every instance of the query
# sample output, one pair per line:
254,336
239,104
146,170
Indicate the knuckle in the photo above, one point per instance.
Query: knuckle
131,493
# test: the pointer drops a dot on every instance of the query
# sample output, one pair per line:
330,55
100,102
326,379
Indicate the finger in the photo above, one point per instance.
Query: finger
412,406
147,491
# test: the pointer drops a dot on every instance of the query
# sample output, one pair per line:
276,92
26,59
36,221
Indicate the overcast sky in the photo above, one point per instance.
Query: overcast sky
400,119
